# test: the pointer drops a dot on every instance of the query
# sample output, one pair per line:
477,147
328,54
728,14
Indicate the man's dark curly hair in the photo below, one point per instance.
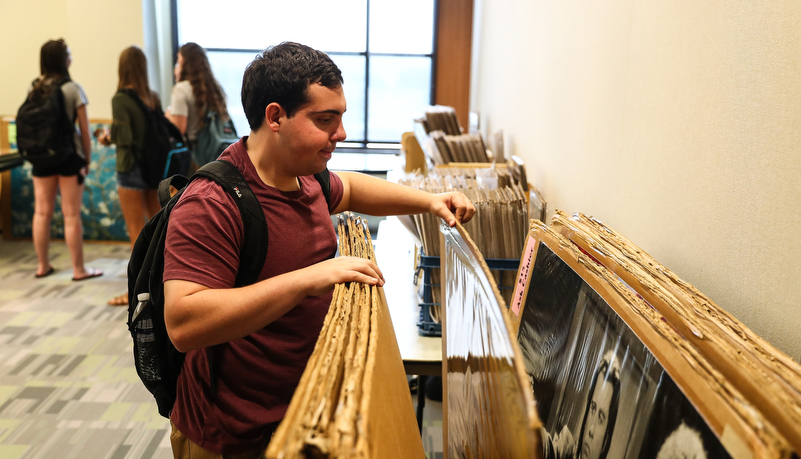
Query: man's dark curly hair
282,74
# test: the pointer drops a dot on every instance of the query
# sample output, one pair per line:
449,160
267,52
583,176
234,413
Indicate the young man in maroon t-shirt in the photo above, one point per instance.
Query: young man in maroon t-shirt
293,99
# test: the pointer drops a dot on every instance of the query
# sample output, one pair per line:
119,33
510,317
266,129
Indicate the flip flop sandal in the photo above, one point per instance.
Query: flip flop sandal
92,273
49,271
121,300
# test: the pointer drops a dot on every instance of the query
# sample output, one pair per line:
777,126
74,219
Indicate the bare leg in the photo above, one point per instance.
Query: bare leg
44,191
152,205
71,200
137,207
133,207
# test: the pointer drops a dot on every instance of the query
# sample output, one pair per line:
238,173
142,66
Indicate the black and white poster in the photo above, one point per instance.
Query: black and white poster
599,391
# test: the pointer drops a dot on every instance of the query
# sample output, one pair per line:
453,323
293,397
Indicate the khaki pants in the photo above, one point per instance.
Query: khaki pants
184,448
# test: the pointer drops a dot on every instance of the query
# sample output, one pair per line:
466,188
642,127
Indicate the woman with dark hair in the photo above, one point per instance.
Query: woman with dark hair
139,202
196,91
67,177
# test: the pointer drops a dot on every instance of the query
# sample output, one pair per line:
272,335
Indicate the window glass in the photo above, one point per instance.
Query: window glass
228,69
400,89
257,24
402,27
400,48
353,71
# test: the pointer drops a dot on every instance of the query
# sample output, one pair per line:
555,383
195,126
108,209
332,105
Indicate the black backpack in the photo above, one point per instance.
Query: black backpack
164,153
45,135
158,363
215,136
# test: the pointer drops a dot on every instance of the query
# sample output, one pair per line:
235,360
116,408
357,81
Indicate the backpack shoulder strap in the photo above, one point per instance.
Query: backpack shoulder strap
66,125
177,181
254,246
324,178
156,114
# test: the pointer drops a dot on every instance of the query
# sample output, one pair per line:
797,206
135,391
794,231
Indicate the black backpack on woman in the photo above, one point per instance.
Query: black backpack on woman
164,152
45,135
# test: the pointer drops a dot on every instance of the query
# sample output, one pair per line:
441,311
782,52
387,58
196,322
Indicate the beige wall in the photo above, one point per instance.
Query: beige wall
95,30
677,123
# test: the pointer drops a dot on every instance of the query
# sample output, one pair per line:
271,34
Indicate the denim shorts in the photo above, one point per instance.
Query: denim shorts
132,179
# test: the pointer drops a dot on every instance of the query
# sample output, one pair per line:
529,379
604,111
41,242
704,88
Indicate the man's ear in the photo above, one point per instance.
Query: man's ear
273,116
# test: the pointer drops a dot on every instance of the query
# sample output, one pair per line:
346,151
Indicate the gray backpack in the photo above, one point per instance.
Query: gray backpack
213,139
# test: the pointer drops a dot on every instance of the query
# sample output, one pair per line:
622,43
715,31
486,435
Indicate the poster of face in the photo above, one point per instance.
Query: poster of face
676,430
598,388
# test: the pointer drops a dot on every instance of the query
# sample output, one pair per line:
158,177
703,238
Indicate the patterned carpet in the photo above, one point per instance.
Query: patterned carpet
68,388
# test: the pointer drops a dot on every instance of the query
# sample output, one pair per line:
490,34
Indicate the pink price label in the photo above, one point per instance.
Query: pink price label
525,273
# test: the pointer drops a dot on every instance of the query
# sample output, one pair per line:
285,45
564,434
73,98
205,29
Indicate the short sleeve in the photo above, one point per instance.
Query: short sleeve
337,191
204,237
74,98
179,100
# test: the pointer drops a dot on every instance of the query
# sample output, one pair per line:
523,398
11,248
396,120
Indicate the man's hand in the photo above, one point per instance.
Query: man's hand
324,275
453,207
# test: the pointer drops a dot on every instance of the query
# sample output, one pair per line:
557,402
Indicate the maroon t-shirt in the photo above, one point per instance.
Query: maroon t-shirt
256,375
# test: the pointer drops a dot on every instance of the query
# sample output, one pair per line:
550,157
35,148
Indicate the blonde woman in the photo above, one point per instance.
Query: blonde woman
139,202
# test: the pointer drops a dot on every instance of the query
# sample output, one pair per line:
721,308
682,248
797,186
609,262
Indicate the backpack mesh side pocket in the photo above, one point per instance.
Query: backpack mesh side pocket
146,349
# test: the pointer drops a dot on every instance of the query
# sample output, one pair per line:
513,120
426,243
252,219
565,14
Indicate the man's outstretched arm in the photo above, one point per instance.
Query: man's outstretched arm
373,196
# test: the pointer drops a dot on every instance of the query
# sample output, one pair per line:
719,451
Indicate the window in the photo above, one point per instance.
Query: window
384,49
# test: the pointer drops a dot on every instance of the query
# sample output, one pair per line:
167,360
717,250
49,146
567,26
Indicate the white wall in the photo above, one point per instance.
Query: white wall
677,123
95,30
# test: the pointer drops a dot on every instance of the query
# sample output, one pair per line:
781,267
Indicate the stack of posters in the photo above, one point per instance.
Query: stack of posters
489,410
626,360
499,226
443,142
463,148
440,118
353,399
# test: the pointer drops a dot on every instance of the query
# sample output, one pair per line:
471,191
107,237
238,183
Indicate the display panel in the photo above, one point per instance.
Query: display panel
489,411
584,363
353,398
766,377
590,342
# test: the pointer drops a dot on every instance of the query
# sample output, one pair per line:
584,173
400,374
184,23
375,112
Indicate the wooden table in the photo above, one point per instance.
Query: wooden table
421,355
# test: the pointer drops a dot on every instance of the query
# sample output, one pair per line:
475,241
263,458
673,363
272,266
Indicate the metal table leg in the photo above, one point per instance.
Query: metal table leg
421,400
